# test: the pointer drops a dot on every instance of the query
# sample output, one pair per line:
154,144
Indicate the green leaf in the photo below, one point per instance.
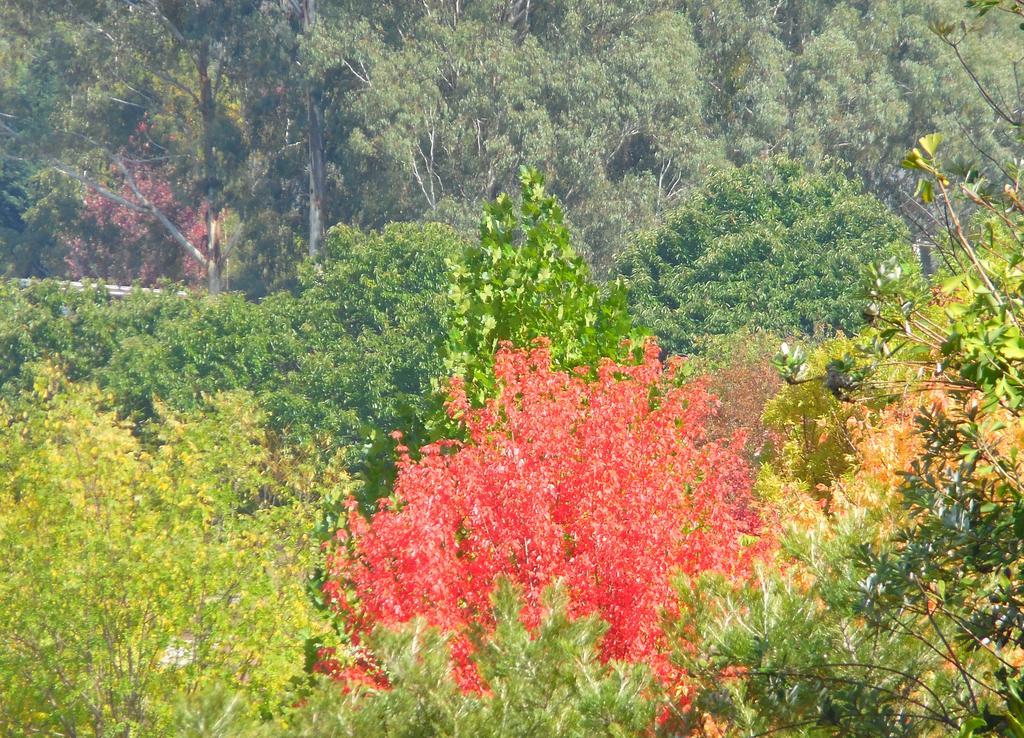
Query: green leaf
930,143
1013,348
967,730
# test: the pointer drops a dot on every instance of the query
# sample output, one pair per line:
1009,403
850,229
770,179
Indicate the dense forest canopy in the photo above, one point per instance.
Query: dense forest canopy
506,368
252,124
766,244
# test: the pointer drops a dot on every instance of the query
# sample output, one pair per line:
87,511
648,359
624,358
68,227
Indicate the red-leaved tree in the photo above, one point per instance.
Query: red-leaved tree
609,485
116,243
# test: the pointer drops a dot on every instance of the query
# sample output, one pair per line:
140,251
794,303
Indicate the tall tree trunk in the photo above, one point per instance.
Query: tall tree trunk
316,144
316,171
214,283
214,260
924,249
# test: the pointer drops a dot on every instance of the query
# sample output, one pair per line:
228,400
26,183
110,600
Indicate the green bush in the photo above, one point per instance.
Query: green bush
370,319
544,682
82,328
767,246
353,350
523,281
134,572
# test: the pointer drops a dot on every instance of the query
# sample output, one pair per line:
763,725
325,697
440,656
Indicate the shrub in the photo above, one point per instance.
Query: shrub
523,281
548,680
609,486
134,572
766,246
355,349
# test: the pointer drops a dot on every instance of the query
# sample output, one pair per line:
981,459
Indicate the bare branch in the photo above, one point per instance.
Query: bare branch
996,107
92,184
171,229
364,77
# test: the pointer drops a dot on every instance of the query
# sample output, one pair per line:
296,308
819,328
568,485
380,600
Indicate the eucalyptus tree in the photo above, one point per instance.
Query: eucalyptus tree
367,113
433,106
152,85
440,103
851,81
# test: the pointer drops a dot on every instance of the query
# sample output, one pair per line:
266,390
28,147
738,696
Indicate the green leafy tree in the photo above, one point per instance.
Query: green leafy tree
368,322
524,281
344,360
136,573
80,329
13,201
847,80
949,575
767,245
629,105
37,203
443,104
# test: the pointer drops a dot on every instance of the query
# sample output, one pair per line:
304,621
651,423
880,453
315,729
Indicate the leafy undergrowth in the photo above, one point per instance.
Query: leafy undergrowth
609,486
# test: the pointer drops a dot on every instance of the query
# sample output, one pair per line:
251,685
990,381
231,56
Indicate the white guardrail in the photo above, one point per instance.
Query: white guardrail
115,290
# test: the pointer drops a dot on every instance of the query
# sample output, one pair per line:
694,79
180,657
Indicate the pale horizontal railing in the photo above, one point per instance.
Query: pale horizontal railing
115,290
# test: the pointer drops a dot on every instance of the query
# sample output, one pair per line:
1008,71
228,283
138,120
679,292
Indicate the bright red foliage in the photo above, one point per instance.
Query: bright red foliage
563,477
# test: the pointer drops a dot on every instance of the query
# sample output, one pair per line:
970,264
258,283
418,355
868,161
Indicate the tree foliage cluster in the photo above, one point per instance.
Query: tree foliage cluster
574,471
258,122
767,245
892,606
579,541
354,346
136,571
591,483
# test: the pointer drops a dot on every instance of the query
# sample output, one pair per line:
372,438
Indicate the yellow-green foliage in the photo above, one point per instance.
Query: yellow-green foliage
813,445
133,573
